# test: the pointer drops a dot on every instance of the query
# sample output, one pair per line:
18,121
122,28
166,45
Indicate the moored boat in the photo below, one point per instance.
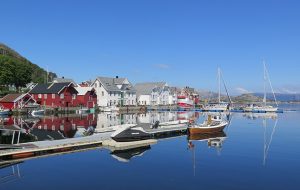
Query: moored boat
184,102
219,106
264,107
211,125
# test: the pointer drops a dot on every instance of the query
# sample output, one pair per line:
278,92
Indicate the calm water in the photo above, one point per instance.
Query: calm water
259,152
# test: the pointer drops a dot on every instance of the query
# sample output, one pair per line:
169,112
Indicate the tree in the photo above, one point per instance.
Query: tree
14,72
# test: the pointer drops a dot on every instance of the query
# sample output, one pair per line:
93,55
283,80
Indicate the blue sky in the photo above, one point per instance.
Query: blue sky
178,41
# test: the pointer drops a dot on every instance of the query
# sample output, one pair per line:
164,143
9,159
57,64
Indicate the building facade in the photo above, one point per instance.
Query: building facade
154,94
114,92
55,95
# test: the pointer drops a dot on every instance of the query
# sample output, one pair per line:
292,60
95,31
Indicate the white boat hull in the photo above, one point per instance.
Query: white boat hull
216,108
261,109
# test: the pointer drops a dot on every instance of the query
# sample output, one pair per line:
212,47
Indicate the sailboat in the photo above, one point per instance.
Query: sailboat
220,106
264,107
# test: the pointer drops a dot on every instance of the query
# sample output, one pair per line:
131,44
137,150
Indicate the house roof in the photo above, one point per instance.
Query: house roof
147,87
12,97
83,90
52,88
63,80
110,84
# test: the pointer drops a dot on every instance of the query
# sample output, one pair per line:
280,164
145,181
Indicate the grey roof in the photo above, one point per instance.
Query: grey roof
62,80
110,84
51,88
147,87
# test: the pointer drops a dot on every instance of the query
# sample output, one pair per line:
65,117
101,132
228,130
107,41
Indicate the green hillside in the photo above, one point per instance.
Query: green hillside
18,71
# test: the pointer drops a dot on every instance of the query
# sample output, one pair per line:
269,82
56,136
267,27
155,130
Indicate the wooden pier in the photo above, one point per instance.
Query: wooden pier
25,151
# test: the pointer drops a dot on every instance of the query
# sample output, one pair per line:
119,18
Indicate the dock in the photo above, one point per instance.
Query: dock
25,151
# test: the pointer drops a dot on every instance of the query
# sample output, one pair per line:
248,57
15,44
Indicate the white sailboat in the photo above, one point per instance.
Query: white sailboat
264,107
220,106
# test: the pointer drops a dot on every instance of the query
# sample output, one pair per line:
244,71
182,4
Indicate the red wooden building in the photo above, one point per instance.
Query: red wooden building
17,101
86,97
55,94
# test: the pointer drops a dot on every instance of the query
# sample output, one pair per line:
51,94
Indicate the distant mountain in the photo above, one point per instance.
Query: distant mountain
281,97
38,74
246,98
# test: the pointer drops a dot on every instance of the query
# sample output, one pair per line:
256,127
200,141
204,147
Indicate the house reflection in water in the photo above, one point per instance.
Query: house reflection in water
46,128
108,120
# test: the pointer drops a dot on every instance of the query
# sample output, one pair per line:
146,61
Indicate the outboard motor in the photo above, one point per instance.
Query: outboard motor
156,125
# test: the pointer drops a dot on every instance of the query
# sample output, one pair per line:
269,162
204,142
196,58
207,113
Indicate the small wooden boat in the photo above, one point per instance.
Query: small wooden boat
211,125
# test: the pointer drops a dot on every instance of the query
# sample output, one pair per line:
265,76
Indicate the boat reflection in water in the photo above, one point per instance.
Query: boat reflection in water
254,116
127,155
214,140
267,134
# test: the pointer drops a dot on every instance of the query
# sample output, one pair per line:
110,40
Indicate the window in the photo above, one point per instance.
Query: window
102,93
95,84
53,96
40,96
62,96
45,96
74,96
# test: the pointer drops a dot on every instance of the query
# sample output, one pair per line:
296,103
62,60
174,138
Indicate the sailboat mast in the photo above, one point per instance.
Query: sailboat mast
265,80
219,78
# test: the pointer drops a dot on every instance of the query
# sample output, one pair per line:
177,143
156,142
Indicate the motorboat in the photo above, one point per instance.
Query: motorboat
185,102
211,125
145,131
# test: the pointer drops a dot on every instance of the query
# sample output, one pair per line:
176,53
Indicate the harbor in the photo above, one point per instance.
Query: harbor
149,95
197,154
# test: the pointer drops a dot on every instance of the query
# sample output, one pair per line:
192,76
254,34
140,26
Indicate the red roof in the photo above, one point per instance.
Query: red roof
10,97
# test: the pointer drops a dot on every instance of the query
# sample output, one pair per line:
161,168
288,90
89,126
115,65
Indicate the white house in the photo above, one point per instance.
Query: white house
114,92
148,93
155,93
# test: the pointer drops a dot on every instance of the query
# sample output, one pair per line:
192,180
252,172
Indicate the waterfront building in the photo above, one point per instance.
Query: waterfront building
55,95
86,97
17,101
155,93
114,92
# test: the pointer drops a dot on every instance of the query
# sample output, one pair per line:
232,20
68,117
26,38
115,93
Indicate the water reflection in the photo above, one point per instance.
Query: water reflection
213,140
9,172
268,120
16,130
128,154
